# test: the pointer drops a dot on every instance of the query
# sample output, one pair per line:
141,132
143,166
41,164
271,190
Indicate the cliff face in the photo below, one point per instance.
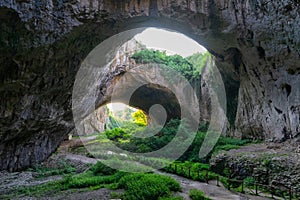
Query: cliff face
256,43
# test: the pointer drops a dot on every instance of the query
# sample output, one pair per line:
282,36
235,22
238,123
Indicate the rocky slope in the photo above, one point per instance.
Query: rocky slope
256,43
274,164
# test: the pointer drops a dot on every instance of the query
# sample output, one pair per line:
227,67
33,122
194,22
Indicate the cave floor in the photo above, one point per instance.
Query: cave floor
71,152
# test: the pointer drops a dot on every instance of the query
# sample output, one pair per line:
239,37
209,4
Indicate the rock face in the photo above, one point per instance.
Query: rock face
271,165
256,44
94,123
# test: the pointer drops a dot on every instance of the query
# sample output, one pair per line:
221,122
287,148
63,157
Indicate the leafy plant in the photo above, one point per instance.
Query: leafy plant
195,194
190,68
195,171
199,60
139,118
249,181
101,169
171,198
63,169
147,186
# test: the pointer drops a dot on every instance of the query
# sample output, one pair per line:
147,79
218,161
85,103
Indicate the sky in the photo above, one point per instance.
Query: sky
114,107
172,42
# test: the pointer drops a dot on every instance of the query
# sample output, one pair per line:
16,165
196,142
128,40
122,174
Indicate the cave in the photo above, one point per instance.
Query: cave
43,47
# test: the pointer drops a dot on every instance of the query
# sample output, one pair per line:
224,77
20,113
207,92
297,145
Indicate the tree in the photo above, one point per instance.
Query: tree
189,67
139,118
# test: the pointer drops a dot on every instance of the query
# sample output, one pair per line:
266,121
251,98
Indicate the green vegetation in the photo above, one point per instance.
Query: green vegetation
62,169
125,137
224,143
139,118
197,195
171,198
101,169
148,186
199,60
189,67
153,186
249,182
123,115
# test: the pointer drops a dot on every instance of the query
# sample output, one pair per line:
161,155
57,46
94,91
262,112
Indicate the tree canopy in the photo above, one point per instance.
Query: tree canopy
189,67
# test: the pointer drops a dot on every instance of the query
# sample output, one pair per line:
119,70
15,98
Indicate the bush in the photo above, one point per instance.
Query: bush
171,198
62,169
175,62
116,133
224,143
198,171
139,118
197,195
88,179
147,186
101,169
249,182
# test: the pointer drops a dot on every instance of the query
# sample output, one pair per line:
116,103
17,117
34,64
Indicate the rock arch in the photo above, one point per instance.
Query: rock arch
256,43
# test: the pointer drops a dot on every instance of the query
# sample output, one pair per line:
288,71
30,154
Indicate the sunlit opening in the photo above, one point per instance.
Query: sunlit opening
120,114
152,117
117,107
169,41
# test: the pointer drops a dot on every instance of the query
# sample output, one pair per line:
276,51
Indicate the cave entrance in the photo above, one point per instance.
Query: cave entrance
156,71
164,47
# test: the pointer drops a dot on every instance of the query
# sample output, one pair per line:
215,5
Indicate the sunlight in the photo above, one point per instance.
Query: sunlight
115,107
169,41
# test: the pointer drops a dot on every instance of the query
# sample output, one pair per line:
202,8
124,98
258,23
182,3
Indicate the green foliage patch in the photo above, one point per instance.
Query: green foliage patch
43,171
148,186
224,143
189,67
195,194
101,169
195,171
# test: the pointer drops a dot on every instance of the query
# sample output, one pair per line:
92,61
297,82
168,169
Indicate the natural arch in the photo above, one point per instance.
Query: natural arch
43,58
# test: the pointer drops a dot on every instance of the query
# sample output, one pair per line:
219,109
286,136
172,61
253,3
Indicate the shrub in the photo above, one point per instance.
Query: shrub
171,198
139,118
63,169
101,169
115,195
83,182
249,182
198,171
197,195
175,62
147,186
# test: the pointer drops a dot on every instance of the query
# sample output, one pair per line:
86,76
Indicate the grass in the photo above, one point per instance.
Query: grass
171,198
224,143
195,194
85,180
136,186
153,186
63,169
148,186
195,171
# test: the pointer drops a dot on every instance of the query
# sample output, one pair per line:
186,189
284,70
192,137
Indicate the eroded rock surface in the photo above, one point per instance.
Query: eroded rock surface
273,164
